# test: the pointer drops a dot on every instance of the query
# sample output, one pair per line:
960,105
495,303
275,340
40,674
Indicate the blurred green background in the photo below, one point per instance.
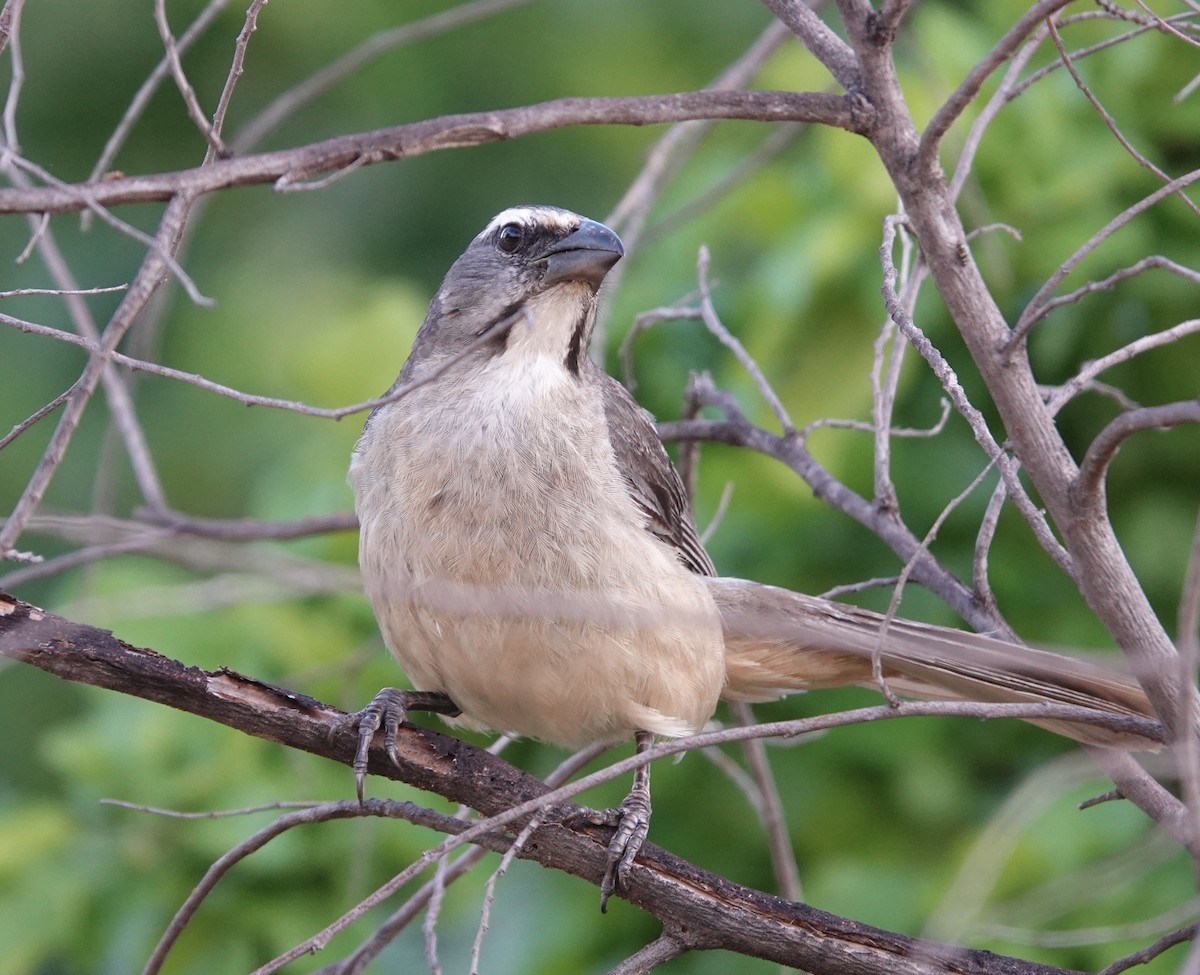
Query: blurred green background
963,832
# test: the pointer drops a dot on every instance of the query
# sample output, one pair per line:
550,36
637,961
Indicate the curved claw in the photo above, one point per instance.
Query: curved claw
387,710
623,848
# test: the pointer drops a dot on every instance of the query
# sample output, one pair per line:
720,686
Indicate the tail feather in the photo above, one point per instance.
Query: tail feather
778,642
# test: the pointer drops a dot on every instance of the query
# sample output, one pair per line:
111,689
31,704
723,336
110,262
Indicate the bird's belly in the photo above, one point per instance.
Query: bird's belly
562,621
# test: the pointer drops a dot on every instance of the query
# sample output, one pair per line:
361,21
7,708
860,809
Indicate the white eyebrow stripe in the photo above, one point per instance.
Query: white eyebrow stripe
530,215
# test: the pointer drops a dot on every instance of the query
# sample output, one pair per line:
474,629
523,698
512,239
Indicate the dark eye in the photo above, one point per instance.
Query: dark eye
509,238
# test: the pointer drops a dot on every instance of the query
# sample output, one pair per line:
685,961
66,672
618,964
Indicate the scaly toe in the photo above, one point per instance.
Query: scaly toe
623,848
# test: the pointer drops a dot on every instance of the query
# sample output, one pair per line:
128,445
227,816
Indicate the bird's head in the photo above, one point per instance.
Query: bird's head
536,266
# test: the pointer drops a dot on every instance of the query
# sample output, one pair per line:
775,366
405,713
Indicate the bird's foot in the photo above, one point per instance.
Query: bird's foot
632,821
388,710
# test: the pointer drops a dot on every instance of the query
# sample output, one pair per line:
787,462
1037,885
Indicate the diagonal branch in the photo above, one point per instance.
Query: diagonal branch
822,42
149,278
738,431
188,93
734,917
966,92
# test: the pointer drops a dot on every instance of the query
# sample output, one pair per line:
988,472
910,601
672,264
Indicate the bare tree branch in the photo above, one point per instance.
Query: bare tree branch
661,949
325,812
948,378
1091,370
235,73
1109,122
1089,486
1100,568
713,323
148,87
1033,311
701,910
738,431
1149,953
1110,282
9,12
447,132
822,42
188,93
1064,503
783,855
957,103
319,82
149,277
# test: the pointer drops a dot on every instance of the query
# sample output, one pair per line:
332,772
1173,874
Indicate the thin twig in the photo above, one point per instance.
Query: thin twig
188,93
1110,282
34,417
773,146
1109,122
433,910
884,385
662,949
1082,379
1187,626
1001,97
1086,52
149,278
249,529
1102,934
738,431
386,933
249,399
643,322
849,588
862,426
325,812
968,90
236,67
1033,515
61,292
1165,26
48,568
669,154
1150,952
1088,489
983,546
12,40
319,82
207,813
718,516
1004,630
779,840
489,895
713,323
122,412
820,40
105,214
1032,313
148,88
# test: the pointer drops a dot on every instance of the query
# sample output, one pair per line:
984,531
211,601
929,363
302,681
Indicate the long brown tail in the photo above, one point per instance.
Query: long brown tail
778,641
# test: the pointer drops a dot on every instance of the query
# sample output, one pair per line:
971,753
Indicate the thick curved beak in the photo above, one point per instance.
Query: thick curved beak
586,255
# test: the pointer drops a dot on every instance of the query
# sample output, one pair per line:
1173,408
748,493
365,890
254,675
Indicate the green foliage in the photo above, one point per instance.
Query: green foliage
317,298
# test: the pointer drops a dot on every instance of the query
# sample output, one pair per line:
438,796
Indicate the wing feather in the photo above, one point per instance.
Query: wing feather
651,479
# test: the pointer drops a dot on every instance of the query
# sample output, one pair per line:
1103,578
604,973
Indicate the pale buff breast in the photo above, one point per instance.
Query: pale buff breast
565,622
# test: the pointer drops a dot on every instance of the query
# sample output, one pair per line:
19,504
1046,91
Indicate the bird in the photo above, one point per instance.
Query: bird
532,560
